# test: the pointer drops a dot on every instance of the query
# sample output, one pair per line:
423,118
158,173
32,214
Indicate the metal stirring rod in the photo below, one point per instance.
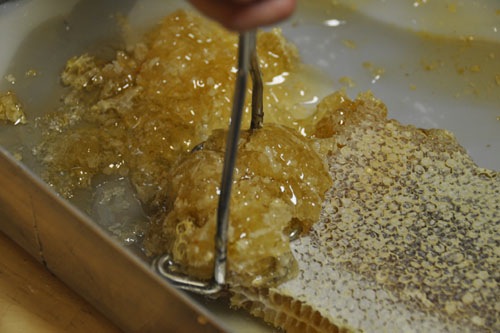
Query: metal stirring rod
247,62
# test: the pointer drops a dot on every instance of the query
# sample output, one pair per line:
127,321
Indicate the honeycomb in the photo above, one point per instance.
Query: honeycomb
279,185
140,114
408,238
405,239
134,115
11,109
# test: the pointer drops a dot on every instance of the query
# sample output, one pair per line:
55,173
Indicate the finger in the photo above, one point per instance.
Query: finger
246,14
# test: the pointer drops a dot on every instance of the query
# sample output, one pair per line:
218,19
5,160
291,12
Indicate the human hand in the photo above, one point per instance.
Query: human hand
242,15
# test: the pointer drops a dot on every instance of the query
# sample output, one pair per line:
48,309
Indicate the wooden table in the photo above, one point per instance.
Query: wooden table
33,300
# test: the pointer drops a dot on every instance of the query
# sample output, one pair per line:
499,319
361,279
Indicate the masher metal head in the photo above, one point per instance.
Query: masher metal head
164,265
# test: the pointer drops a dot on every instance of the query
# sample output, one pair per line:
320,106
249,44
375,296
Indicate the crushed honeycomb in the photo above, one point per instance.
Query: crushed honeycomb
139,116
278,189
11,109
134,115
408,238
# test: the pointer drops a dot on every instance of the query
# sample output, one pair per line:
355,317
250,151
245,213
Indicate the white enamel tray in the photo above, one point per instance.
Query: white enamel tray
435,65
